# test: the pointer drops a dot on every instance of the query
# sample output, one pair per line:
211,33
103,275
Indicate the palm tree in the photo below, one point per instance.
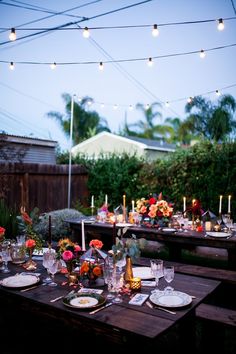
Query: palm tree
211,121
179,132
85,123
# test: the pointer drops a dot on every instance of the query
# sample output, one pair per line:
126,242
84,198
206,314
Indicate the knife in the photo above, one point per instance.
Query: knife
100,308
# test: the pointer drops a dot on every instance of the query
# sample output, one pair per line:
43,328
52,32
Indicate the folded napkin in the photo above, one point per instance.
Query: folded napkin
148,283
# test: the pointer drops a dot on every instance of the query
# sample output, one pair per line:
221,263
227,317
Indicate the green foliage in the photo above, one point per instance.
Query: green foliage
8,220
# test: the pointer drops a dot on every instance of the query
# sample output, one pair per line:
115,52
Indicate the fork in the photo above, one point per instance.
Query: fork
159,308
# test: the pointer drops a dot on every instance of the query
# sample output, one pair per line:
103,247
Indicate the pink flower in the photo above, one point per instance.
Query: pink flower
2,231
77,248
67,256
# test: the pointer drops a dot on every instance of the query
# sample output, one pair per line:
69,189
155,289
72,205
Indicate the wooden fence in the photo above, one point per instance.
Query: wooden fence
41,185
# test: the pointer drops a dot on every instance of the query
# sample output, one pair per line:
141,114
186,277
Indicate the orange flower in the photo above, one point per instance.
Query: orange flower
30,243
96,243
84,268
97,271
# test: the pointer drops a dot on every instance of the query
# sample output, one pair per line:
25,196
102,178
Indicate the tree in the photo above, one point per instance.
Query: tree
85,123
211,121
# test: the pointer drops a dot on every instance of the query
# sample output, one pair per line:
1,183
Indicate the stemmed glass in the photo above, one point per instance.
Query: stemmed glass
46,258
108,275
121,263
156,270
53,266
169,273
117,284
5,256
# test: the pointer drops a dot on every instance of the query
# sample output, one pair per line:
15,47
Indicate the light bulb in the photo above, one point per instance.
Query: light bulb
131,107
155,31
101,66
190,99
89,103
115,107
218,93
150,62
53,66
202,54
86,33
12,35
167,104
102,105
147,106
221,25
12,66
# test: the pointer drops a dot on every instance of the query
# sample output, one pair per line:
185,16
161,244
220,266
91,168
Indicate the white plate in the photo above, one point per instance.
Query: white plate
20,281
168,229
174,299
217,234
84,300
142,272
123,224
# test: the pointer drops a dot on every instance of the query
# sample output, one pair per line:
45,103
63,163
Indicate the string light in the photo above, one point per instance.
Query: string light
202,54
221,25
12,66
101,66
147,106
155,31
12,35
102,105
150,62
115,107
131,107
53,66
190,99
86,32
167,104
218,93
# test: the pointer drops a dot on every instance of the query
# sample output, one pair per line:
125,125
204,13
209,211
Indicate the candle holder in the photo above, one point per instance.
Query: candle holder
135,284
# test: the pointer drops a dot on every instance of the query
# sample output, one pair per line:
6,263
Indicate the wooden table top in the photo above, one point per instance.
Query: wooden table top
129,320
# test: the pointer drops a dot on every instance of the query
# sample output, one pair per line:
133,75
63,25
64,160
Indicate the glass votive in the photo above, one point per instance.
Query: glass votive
208,225
135,284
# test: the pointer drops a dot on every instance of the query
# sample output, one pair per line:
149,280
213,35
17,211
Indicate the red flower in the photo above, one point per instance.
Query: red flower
2,231
30,243
96,244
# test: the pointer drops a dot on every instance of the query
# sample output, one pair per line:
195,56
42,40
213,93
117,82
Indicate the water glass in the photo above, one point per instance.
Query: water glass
156,269
169,273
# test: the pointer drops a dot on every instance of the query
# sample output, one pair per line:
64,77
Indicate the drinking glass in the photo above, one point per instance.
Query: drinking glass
53,268
108,274
5,257
117,284
121,263
46,259
157,270
169,273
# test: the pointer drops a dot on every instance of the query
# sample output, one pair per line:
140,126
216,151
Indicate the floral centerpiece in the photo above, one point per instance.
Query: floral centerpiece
2,233
93,261
155,210
69,252
26,225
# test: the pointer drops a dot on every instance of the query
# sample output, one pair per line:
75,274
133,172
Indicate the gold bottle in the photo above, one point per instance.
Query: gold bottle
128,270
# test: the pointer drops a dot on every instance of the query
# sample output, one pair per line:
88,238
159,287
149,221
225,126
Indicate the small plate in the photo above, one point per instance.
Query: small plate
143,272
174,299
168,229
84,300
20,281
123,224
218,234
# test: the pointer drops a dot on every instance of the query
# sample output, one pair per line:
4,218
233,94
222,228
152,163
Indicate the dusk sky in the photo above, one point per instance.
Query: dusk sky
121,38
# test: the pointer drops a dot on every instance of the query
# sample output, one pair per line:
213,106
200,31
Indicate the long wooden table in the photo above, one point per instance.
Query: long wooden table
175,241
31,315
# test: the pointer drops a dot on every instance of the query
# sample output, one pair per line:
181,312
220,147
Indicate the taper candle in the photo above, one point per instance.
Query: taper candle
184,204
229,206
83,236
124,201
92,201
220,205
132,206
49,231
106,199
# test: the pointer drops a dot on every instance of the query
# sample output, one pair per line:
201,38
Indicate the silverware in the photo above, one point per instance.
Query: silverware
32,287
100,308
159,308
60,297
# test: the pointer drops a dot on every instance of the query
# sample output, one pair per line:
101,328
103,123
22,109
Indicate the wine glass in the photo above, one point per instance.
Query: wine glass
121,263
46,258
169,273
5,256
117,284
53,268
156,270
108,274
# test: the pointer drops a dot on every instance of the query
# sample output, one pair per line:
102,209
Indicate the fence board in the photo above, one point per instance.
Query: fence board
42,185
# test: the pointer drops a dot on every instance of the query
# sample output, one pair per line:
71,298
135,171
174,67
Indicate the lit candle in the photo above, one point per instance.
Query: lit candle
220,205
83,236
92,201
106,199
184,204
229,198
49,231
132,206
124,201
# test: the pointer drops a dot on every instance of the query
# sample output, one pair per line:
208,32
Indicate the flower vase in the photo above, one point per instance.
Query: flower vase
30,264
